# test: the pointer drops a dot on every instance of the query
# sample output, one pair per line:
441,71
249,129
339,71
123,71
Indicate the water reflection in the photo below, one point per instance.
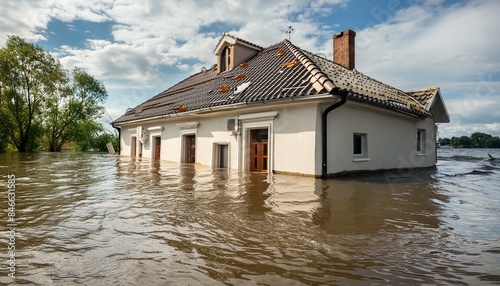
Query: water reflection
94,219
397,204
255,192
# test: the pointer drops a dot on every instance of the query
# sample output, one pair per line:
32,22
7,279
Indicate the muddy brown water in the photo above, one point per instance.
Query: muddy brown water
97,219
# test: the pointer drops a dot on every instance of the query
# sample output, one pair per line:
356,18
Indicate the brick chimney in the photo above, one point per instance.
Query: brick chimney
343,48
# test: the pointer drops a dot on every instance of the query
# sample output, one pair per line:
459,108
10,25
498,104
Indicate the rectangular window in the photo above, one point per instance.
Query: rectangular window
421,140
360,150
358,144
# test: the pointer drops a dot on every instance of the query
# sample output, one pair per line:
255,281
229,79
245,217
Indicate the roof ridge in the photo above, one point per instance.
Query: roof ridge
317,74
238,39
373,79
423,89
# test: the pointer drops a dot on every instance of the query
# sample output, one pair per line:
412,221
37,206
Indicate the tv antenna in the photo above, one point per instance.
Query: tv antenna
289,31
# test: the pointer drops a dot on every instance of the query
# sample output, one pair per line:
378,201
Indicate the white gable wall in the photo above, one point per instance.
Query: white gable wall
391,141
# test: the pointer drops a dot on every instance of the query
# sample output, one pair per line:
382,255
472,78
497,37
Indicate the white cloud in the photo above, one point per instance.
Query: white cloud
431,42
23,18
421,45
150,33
455,47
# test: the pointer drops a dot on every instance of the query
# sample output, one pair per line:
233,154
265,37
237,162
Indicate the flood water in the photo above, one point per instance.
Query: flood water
96,219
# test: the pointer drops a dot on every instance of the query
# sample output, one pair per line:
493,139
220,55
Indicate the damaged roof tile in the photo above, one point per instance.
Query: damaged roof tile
271,80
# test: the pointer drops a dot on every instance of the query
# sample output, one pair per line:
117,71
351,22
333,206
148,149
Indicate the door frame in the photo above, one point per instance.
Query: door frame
184,134
151,144
189,147
156,156
259,150
216,151
246,128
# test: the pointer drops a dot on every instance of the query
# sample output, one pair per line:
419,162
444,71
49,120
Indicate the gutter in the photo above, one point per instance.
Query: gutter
324,130
232,106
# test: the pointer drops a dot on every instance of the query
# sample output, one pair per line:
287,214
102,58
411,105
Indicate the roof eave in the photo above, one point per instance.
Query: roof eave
232,106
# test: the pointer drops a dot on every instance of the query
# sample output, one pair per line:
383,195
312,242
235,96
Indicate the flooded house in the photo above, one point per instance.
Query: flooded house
286,110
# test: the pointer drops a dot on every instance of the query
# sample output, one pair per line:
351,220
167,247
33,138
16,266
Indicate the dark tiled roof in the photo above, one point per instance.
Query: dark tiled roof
424,96
307,75
366,89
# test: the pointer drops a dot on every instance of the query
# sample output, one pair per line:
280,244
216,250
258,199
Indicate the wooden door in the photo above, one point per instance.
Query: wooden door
133,146
189,149
157,148
258,156
259,150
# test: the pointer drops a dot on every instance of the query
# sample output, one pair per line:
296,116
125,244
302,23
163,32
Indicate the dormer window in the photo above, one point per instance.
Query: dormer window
225,59
232,51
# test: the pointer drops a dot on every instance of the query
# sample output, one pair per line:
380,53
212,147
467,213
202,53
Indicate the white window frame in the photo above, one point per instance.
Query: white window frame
363,156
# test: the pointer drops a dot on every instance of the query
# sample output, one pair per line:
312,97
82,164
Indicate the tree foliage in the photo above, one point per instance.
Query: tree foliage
28,77
39,99
76,105
476,140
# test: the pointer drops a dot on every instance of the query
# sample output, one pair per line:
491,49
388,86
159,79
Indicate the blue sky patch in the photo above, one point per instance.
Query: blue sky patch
74,33
218,27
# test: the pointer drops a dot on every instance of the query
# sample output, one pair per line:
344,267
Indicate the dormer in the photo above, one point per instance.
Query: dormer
232,51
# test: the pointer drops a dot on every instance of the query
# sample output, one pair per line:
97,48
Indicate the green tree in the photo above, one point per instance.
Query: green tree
493,142
445,141
28,77
4,141
464,141
72,112
478,139
101,140
85,135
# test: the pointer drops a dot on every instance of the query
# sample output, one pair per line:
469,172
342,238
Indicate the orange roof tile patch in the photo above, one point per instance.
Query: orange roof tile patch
281,53
192,91
291,64
238,77
224,88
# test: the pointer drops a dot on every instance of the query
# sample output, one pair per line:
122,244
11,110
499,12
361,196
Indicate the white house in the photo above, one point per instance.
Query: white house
284,109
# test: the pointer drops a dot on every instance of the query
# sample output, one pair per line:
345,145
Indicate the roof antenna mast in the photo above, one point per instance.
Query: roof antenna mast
289,31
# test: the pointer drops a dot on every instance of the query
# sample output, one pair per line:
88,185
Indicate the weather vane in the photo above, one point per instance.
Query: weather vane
289,31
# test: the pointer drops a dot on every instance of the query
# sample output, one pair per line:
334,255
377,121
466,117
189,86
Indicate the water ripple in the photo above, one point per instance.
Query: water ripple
96,219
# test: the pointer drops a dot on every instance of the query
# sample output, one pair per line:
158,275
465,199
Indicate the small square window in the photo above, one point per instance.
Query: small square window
360,149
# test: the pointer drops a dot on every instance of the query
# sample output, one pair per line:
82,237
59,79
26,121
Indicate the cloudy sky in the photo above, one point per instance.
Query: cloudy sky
139,48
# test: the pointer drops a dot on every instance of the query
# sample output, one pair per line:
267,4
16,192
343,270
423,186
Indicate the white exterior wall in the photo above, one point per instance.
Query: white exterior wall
391,140
295,138
291,138
125,140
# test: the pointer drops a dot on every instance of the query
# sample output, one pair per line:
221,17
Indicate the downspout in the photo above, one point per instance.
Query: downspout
324,133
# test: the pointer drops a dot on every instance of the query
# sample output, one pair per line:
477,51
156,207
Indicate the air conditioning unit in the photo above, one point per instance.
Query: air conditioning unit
233,125
142,134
